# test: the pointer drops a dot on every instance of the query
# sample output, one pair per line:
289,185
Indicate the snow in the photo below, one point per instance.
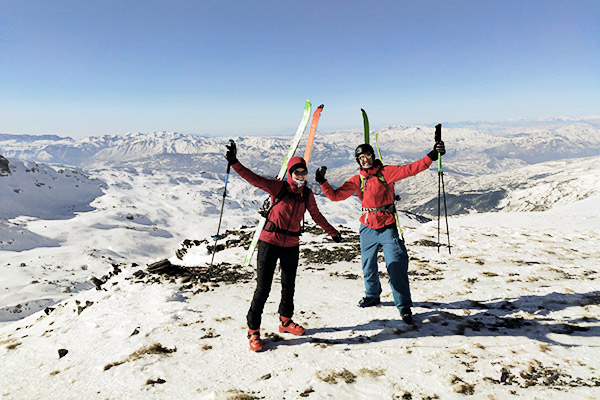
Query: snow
513,312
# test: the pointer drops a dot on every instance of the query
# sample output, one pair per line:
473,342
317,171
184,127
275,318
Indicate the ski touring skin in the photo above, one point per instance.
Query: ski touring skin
311,133
281,175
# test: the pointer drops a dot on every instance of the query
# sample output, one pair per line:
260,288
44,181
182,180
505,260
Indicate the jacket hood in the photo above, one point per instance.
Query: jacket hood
295,162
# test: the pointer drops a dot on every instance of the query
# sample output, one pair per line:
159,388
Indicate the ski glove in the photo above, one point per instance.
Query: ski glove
320,175
337,238
231,155
438,148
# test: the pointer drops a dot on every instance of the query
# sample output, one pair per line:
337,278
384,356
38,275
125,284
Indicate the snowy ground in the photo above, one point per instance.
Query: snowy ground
513,312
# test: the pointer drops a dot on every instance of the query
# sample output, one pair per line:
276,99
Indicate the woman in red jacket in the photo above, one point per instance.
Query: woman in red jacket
280,240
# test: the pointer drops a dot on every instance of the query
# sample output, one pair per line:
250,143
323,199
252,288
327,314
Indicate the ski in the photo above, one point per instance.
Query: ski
281,175
377,146
311,133
365,125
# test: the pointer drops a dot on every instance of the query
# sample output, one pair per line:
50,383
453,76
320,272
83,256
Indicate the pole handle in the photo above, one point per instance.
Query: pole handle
438,138
231,142
438,133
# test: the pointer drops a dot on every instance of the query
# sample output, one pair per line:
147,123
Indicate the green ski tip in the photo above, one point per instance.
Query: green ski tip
365,125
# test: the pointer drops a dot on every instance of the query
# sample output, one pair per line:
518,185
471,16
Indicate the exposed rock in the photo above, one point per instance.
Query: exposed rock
98,282
4,167
224,272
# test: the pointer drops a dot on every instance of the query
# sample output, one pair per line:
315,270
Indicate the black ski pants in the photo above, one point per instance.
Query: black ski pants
268,254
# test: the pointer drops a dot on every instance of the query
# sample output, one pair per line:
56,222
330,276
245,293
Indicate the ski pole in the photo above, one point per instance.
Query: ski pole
222,205
441,189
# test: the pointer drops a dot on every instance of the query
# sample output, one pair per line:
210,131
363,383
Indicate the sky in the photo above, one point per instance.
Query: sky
88,68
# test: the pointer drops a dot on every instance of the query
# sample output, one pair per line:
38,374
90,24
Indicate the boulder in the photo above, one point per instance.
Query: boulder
4,169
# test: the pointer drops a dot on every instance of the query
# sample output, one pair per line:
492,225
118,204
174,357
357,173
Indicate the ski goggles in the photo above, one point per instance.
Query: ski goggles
365,156
300,172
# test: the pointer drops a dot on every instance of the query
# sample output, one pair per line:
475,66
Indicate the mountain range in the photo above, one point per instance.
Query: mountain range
478,163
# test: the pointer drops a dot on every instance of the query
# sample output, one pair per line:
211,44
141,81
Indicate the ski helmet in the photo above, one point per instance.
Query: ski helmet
362,149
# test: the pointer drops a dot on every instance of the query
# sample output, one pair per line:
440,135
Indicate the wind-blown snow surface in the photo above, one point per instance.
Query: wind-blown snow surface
512,312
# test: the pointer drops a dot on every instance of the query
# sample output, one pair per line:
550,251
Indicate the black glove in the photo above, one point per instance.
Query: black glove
320,175
337,238
231,155
438,148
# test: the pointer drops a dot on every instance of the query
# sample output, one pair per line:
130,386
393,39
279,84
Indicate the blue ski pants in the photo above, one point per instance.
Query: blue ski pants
396,260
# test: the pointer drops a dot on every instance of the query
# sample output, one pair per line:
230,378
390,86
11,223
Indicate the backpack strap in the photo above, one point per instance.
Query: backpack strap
363,181
267,206
390,208
270,226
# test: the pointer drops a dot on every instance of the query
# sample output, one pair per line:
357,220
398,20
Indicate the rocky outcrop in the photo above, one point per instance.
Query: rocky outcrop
4,169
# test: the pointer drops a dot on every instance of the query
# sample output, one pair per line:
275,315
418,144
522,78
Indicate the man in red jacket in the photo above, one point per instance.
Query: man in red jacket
374,186
280,240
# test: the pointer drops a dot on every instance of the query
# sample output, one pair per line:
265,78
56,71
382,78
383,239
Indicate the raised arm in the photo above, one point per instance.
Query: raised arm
347,189
271,186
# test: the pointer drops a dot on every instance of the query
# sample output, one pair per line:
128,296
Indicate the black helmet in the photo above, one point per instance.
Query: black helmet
363,148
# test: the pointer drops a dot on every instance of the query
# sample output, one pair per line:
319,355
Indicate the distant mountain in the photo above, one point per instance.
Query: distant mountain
538,187
473,149
31,138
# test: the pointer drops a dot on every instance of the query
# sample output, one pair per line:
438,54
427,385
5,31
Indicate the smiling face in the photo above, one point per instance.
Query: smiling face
299,174
366,160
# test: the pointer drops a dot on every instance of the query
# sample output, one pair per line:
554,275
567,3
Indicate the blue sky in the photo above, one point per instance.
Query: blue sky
81,68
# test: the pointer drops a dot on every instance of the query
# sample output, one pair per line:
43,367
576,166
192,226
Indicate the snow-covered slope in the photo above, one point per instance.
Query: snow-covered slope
59,222
38,190
514,311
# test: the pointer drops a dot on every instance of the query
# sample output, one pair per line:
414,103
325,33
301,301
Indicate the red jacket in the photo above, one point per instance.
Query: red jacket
375,193
288,213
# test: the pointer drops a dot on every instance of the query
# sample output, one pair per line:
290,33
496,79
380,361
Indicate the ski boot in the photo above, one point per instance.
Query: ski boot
254,340
369,302
406,315
287,325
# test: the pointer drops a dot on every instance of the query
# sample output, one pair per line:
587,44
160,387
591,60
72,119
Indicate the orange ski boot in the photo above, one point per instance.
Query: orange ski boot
254,340
287,325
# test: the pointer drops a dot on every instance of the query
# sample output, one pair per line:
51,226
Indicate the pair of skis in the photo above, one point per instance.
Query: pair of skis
283,170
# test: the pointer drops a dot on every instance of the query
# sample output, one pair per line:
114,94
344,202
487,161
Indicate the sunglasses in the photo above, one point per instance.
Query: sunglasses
365,157
300,172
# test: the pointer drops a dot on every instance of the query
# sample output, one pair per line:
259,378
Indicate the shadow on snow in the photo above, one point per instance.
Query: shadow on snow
526,316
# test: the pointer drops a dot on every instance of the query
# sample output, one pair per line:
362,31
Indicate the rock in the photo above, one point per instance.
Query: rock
4,167
139,274
97,282
62,353
165,267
